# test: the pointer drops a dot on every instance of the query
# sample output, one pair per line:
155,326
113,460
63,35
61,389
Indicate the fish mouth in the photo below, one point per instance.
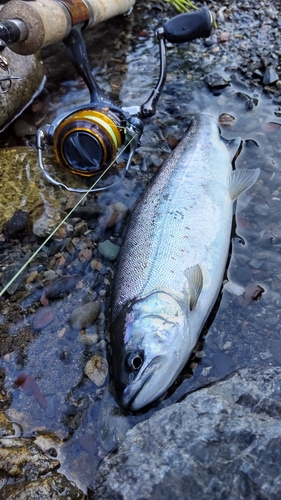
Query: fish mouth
132,390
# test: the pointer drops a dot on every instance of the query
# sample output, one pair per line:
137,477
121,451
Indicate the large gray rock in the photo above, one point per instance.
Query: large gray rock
221,442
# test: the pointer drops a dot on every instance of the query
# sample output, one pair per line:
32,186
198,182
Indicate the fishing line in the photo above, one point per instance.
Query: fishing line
65,218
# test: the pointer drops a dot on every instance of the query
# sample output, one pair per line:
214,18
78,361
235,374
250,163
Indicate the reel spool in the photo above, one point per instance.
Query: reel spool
86,140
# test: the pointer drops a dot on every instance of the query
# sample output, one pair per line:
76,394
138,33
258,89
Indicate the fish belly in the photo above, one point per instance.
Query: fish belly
183,219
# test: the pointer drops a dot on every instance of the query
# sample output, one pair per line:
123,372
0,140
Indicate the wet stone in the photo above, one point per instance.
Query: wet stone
97,369
215,81
89,338
234,425
244,274
256,263
43,317
108,250
61,286
270,76
17,224
263,210
9,273
85,255
50,275
84,315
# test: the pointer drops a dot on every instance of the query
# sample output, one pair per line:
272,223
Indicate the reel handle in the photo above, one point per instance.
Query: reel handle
189,26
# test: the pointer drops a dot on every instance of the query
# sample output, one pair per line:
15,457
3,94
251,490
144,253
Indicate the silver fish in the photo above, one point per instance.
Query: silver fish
171,265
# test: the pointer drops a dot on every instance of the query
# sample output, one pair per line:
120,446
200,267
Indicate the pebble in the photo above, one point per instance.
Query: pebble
85,255
61,286
256,263
84,315
96,265
270,76
108,250
48,221
80,228
262,210
244,274
97,369
31,277
17,224
215,81
227,345
43,317
234,288
117,212
50,275
9,273
89,338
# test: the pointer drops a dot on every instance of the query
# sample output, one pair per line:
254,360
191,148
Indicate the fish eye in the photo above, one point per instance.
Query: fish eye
134,361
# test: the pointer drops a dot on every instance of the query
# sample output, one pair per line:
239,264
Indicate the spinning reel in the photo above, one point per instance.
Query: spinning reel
87,139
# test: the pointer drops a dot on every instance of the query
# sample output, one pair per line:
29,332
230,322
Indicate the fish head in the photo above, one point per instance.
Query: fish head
149,349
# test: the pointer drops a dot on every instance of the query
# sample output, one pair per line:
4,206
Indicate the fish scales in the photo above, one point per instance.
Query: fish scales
171,265
178,218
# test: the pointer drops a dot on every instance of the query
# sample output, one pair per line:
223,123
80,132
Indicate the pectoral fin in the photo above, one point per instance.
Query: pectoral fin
195,284
241,180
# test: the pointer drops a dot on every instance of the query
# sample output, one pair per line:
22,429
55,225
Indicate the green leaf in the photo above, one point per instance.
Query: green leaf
182,5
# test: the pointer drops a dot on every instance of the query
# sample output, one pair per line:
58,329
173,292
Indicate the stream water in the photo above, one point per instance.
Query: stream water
77,417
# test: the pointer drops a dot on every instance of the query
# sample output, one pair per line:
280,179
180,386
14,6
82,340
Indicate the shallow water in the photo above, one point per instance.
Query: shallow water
82,418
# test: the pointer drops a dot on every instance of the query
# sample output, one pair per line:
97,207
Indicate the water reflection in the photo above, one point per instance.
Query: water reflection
45,386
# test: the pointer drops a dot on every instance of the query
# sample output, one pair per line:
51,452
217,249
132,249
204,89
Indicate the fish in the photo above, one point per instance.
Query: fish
172,262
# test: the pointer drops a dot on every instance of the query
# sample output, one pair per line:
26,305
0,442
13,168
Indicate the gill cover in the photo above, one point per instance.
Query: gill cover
150,347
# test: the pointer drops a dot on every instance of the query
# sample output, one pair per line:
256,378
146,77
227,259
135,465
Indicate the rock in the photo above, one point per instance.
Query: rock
6,427
215,81
253,291
9,273
43,317
61,286
27,472
97,369
222,441
85,255
55,486
89,338
47,222
270,76
17,224
116,212
108,250
84,315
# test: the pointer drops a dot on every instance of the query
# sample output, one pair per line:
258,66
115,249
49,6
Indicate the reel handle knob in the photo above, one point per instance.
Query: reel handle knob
189,26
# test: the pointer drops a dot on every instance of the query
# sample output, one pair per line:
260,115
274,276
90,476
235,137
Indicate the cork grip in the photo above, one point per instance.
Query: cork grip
50,21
